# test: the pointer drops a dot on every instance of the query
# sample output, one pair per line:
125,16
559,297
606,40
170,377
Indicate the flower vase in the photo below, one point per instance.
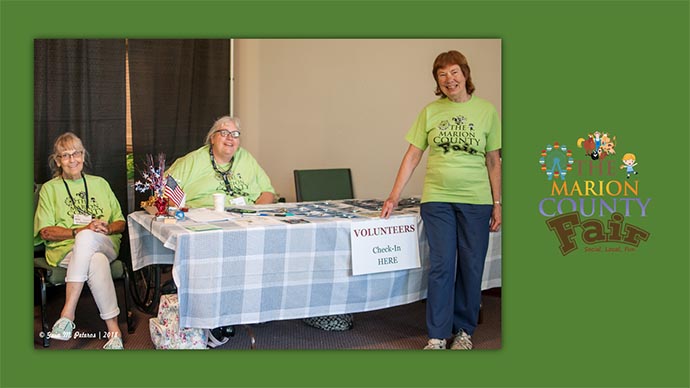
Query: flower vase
161,206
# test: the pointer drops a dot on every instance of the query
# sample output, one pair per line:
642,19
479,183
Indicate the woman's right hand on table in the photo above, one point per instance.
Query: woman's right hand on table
388,206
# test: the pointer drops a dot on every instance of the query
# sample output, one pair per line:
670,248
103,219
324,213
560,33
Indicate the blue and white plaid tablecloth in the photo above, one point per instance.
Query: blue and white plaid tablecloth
241,274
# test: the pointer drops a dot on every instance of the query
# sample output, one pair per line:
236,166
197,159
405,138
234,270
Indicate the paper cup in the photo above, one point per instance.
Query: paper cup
219,202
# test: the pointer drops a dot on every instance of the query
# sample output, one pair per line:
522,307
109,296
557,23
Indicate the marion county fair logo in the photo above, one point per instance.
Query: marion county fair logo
593,193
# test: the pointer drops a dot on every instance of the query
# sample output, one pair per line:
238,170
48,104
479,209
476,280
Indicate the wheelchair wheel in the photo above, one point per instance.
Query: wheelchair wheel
145,284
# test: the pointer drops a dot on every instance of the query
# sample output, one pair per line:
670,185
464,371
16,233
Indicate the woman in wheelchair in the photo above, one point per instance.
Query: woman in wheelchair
80,221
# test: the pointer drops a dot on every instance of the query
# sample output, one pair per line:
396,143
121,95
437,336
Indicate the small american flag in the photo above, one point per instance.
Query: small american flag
173,191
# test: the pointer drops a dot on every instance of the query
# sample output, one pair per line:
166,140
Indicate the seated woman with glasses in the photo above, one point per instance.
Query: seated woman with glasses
222,166
80,221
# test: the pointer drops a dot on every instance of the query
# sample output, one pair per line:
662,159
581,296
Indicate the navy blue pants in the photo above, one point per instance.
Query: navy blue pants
458,237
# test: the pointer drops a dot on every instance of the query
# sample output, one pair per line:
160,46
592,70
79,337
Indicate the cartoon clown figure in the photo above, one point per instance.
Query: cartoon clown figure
597,145
629,161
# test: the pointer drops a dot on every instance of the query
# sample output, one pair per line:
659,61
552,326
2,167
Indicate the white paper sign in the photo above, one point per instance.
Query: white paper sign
384,245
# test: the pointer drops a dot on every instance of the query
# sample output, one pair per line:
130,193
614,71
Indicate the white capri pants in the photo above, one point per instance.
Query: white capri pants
89,261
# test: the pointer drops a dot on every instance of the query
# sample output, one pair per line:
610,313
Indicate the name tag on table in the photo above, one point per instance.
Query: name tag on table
384,245
238,201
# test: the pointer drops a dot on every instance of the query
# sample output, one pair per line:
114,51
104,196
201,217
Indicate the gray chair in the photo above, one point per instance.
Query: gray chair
323,184
48,276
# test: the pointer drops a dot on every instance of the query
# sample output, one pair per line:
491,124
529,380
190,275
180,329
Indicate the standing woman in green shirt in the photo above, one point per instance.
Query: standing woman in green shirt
461,200
80,221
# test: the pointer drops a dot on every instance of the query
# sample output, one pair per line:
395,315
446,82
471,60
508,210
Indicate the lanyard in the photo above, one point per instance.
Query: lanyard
86,192
222,174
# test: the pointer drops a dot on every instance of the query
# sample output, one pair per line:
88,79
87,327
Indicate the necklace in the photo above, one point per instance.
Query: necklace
223,174
86,193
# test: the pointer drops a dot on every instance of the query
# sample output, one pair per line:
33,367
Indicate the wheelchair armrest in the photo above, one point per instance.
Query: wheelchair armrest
39,250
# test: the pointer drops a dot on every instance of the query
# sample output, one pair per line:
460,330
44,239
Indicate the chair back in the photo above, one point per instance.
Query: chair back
323,184
37,191
39,247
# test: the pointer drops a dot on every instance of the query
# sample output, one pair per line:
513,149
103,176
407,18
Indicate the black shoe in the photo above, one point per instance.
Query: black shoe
169,287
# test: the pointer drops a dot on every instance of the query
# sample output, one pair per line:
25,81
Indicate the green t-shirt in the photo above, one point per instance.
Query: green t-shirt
197,178
55,208
458,135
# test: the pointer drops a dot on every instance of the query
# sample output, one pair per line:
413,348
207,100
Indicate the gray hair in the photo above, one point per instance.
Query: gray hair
219,123
66,141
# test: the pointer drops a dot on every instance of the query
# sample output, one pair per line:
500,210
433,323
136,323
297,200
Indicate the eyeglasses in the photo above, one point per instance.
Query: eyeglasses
225,133
75,155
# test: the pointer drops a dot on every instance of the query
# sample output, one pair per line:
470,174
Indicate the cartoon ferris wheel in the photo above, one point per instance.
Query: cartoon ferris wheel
556,161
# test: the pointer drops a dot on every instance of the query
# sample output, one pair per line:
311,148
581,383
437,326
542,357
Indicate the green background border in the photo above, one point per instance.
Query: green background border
569,68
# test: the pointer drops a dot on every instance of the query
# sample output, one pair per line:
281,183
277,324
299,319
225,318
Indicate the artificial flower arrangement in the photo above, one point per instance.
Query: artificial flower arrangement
153,182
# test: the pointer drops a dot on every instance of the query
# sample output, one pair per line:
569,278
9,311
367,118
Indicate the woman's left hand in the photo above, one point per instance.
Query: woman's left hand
99,226
495,223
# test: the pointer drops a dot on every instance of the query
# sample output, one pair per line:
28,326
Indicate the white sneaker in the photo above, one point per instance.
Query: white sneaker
62,329
114,343
435,344
461,341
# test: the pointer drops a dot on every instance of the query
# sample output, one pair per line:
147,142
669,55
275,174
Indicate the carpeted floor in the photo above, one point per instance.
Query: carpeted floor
400,327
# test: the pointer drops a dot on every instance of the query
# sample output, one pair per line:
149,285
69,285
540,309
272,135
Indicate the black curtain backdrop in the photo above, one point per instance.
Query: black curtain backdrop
79,86
178,88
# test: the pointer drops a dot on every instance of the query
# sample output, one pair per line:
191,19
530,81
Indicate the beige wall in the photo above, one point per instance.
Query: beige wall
324,103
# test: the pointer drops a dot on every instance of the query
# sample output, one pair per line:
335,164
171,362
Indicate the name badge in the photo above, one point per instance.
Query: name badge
238,201
82,219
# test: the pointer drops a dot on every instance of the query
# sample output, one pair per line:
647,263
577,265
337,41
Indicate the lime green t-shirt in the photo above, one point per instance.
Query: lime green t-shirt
199,181
458,136
55,208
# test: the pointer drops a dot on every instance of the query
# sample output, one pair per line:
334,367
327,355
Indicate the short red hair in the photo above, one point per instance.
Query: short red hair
452,58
